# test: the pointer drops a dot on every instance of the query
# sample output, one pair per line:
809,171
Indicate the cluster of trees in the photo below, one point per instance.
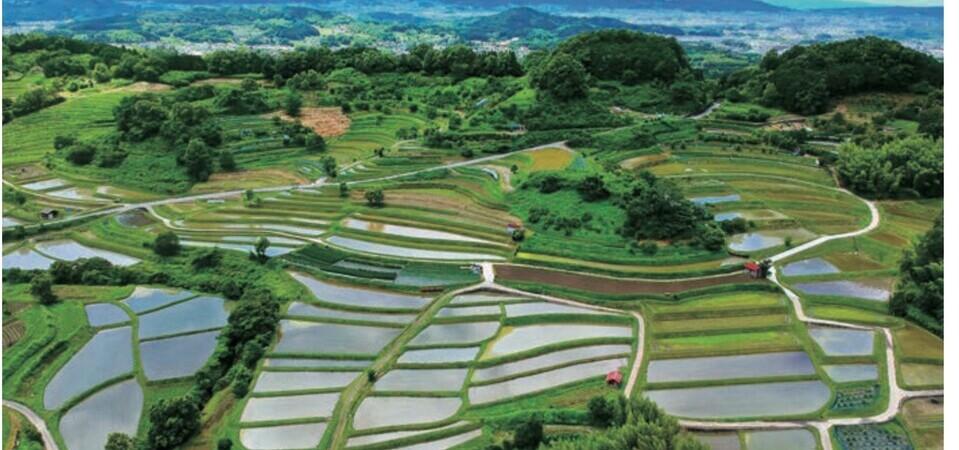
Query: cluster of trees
30,101
919,294
914,165
628,424
457,61
804,78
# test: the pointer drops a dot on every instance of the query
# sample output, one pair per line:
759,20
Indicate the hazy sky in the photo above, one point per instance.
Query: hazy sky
800,4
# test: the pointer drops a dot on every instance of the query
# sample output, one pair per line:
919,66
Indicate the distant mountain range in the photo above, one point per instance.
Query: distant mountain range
524,22
689,5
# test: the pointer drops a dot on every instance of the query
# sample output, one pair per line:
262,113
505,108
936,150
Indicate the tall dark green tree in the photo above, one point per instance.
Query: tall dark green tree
920,292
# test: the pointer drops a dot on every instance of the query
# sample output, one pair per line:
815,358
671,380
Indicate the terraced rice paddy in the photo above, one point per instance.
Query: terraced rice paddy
108,355
145,298
299,436
307,406
381,412
276,382
26,259
843,342
330,292
409,252
730,367
115,409
439,355
529,337
457,333
199,314
370,439
72,251
742,401
516,387
852,372
102,314
300,337
405,231
553,359
867,289
422,380
812,266
177,357
780,440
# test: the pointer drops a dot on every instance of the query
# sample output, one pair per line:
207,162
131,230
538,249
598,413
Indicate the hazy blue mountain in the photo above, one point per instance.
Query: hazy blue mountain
36,10
524,22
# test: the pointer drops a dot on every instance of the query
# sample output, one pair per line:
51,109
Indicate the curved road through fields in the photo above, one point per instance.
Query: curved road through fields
48,442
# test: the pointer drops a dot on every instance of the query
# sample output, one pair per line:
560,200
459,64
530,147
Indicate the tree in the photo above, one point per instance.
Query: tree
592,188
41,287
919,294
81,154
120,441
562,77
224,444
173,421
529,434
329,166
198,160
227,162
101,73
292,104
315,143
374,197
166,243
262,244
344,190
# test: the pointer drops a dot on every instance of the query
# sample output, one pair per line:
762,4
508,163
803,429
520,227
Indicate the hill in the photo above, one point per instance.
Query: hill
688,5
526,22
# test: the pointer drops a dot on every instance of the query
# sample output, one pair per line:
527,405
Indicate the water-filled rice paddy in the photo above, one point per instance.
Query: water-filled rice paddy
457,333
715,199
202,313
422,380
759,240
720,441
722,217
284,437
312,337
748,400
11,222
177,356
101,314
411,232
532,336
108,355
296,381
145,298
843,342
532,309
345,295
377,412
26,259
45,185
812,266
445,443
729,367
409,252
852,372
542,381
439,355
467,311
115,409
303,309
392,436
72,251
550,359
874,289
271,252
780,440
261,409
481,297
310,362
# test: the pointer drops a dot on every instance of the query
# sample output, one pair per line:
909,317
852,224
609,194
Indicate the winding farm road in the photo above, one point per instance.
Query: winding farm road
48,442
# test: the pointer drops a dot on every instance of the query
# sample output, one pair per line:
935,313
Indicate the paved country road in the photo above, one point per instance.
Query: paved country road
48,442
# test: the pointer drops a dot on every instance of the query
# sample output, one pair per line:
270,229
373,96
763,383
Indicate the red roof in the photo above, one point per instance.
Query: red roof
751,266
614,377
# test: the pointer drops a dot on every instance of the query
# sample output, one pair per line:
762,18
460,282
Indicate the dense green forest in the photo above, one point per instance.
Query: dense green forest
804,79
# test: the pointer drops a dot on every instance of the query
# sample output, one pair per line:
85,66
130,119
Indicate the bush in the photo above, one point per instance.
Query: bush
41,287
166,244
